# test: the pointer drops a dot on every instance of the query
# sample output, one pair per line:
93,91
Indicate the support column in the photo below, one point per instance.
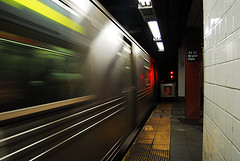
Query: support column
193,72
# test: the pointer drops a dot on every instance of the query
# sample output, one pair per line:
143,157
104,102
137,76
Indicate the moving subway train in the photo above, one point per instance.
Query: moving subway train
74,85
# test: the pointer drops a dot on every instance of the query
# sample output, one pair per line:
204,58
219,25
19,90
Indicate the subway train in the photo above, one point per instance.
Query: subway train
74,85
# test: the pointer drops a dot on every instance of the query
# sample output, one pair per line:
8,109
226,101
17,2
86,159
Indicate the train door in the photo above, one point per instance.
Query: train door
128,85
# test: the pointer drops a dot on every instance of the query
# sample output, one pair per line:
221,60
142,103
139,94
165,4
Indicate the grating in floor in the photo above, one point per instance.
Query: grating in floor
153,142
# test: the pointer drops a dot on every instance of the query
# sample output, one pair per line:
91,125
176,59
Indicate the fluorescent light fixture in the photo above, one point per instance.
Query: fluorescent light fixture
153,25
160,46
145,2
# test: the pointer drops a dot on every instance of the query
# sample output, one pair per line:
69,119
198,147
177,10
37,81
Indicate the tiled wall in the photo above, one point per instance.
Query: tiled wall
221,131
181,72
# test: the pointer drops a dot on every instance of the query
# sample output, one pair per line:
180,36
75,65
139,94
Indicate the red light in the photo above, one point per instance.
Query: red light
171,74
151,75
142,76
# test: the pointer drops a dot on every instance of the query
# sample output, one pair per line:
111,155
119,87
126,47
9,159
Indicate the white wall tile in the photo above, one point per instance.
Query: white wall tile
214,37
222,80
229,49
217,74
236,106
213,76
213,3
229,21
211,128
204,11
221,7
207,124
228,126
221,53
212,93
218,156
229,74
222,124
209,74
218,8
206,145
222,72
221,141
212,113
235,154
227,4
223,96
206,59
205,104
217,30
206,27
236,14
206,89
222,28
236,44
218,96
206,74
215,133
236,133
236,72
209,37
212,56
217,116
230,101
227,149
206,43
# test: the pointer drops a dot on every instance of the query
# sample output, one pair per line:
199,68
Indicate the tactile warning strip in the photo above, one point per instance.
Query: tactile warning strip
153,142
139,152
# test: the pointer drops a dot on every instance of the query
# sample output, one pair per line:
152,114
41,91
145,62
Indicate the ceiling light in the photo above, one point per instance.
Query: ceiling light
145,2
153,25
160,46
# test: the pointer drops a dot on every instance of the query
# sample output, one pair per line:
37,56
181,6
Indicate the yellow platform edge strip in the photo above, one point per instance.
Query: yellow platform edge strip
167,131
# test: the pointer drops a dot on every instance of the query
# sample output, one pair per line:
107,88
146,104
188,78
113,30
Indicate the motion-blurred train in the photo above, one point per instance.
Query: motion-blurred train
74,85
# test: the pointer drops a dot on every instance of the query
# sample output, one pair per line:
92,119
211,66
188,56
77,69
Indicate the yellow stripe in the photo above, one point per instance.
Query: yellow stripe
43,9
12,3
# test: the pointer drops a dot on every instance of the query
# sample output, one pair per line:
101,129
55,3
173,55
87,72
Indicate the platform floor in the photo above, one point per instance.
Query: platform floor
168,136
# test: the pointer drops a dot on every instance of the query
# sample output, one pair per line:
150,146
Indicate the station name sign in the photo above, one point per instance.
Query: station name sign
193,56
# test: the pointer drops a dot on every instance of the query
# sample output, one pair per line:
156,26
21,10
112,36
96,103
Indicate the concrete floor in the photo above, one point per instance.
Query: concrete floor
186,136
167,135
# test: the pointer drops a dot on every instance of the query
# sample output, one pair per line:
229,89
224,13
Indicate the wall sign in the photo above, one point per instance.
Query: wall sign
168,90
193,56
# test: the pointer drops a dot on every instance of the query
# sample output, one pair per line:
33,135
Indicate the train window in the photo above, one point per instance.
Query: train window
146,71
126,66
143,72
147,76
33,75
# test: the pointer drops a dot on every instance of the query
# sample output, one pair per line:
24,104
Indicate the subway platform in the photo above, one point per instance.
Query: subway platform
168,136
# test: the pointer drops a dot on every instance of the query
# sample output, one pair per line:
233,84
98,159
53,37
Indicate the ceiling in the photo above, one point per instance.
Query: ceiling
174,18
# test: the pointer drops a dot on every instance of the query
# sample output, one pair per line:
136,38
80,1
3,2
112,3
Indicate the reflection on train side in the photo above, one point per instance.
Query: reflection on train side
33,75
74,85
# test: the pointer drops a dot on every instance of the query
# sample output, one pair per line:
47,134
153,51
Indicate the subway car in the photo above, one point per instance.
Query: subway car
74,85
